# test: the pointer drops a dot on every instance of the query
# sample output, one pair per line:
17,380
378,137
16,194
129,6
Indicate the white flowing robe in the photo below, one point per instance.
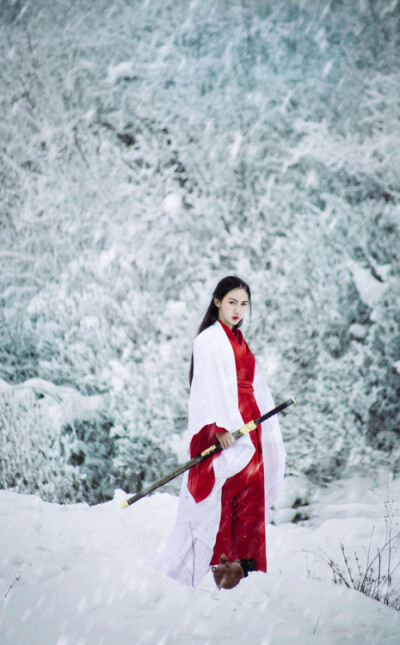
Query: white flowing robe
214,399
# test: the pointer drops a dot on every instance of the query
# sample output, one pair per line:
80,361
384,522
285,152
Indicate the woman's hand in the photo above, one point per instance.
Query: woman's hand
225,439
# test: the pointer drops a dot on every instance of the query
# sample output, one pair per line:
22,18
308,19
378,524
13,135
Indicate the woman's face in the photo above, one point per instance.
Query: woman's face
232,307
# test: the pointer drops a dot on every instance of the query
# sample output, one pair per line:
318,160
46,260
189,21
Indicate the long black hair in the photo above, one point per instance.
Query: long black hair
212,314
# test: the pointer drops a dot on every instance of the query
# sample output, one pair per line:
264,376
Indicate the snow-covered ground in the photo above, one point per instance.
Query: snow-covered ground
78,575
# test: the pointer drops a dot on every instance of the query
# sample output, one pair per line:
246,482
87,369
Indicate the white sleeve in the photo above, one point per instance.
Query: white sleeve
273,449
214,399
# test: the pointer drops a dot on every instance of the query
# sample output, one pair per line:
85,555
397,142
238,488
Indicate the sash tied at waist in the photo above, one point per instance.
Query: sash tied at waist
245,387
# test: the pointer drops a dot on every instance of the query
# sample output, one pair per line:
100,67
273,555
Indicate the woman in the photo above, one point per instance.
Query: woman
225,501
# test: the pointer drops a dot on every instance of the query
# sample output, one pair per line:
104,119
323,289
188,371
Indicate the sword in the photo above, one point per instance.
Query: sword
207,453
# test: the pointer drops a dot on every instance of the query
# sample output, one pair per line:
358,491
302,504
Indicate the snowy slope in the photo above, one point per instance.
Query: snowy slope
77,575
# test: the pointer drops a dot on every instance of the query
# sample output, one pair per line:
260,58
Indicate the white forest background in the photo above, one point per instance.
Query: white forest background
150,148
